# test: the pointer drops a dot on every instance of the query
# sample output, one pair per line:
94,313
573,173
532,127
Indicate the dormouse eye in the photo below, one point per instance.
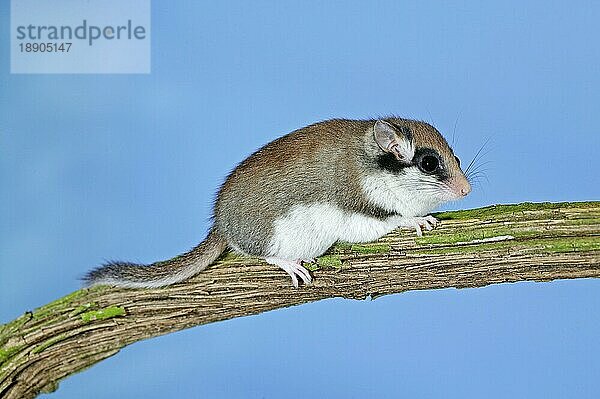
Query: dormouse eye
457,161
429,164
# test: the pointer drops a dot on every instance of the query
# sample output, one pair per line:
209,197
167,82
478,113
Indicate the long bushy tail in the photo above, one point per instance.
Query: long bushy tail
159,274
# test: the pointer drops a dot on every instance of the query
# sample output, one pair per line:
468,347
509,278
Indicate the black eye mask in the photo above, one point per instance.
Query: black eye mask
430,162
390,163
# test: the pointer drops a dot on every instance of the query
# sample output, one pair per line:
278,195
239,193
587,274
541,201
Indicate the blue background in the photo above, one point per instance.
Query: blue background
125,166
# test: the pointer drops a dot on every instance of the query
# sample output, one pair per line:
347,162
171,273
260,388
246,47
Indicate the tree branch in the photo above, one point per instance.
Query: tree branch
474,248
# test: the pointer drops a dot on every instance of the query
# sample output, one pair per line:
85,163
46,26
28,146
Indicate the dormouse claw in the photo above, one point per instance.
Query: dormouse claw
418,222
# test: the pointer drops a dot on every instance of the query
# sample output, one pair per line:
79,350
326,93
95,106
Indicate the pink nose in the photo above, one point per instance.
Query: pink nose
466,189
460,186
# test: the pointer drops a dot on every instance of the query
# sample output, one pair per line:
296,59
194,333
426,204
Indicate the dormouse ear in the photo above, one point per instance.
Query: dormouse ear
394,140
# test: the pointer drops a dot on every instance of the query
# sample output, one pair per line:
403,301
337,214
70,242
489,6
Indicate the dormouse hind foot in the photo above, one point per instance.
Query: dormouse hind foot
419,222
293,268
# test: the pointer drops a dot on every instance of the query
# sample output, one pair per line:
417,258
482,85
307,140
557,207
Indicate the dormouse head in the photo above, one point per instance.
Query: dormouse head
418,165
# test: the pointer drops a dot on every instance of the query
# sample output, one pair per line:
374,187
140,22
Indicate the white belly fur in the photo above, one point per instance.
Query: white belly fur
307,231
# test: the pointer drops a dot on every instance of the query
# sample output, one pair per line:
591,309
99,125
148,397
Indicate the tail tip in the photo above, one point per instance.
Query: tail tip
110,273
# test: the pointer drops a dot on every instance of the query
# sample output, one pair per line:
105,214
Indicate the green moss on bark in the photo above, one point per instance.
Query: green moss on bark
495,210
46,344
329,261
544,245
7,353
102,314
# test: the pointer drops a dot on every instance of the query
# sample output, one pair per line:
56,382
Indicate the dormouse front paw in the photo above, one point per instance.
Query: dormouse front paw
418,222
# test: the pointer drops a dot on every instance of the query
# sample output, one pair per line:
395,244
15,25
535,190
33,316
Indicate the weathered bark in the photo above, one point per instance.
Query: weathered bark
474,248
